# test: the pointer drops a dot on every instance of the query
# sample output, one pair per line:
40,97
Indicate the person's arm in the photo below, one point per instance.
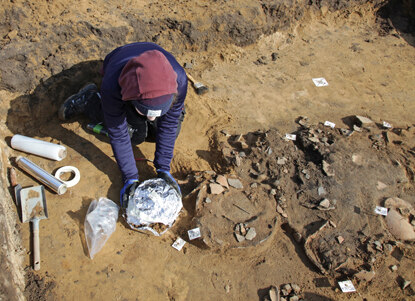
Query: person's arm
116,123
167,126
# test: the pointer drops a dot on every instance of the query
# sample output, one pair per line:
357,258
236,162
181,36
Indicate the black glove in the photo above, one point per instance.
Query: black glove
127,191
166,176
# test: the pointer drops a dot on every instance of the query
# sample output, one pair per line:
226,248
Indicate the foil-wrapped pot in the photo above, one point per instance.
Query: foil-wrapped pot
155,206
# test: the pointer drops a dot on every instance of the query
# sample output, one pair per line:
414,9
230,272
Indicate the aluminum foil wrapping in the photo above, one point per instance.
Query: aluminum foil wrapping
154,202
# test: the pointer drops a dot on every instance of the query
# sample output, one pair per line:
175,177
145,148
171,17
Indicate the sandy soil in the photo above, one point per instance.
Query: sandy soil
258,60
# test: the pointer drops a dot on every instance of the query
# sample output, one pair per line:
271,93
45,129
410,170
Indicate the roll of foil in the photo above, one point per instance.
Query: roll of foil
154,202
43,176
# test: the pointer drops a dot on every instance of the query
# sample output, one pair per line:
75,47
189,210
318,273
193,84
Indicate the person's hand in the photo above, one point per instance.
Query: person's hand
127,191
166,176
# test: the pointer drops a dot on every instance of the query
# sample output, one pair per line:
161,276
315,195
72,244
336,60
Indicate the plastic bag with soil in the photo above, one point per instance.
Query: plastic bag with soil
100,223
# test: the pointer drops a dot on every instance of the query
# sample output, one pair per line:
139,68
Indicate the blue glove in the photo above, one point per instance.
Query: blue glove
127,191
166,176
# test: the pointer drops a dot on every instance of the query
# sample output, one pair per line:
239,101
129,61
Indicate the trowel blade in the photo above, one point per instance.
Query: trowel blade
33,203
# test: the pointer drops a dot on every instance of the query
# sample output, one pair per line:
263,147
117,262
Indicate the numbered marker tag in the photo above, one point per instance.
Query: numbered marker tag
291,137
178,244
194,233
347,286
320,82
381,210
330,124
387,125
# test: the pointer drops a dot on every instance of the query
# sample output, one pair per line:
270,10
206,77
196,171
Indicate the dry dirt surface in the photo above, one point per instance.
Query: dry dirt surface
276,215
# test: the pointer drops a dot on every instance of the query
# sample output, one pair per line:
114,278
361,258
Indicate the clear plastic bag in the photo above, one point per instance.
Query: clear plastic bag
154,207
100,222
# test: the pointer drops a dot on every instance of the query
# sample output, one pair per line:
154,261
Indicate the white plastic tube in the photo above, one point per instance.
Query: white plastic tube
39,147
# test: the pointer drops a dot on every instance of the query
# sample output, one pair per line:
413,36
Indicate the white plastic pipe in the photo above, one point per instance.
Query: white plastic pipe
39,147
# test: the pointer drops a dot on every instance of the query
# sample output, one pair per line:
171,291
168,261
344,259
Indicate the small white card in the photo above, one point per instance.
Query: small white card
381,210
320,82
330,124
387,125
178,244
194,233
347,286
153,113
291,137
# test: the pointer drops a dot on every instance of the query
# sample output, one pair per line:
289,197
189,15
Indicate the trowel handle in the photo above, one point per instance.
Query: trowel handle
36,248
191,78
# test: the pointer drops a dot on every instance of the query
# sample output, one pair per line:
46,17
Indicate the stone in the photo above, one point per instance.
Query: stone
225,132
365,275
286,289
188,65
405,284
216,188
242,154
314,139
281,160
393,268
235,183
274,294
238,161
381,186
296,288
12,34
293,298
388,248
395,202
220,179
243,145
210,172
262,177
273,191
279,209
227,288
254,185
357,129
250,235
321,190
398,226
340,239
378,245
239,237
208,200
346,132
363,121
328,170
242,229
324,204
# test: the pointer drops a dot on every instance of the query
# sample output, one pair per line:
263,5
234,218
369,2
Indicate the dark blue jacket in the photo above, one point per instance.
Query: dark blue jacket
114,109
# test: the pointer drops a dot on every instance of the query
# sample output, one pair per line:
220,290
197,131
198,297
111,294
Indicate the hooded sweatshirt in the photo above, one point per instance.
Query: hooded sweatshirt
114,109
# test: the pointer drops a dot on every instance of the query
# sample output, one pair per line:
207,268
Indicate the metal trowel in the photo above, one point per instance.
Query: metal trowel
33,204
